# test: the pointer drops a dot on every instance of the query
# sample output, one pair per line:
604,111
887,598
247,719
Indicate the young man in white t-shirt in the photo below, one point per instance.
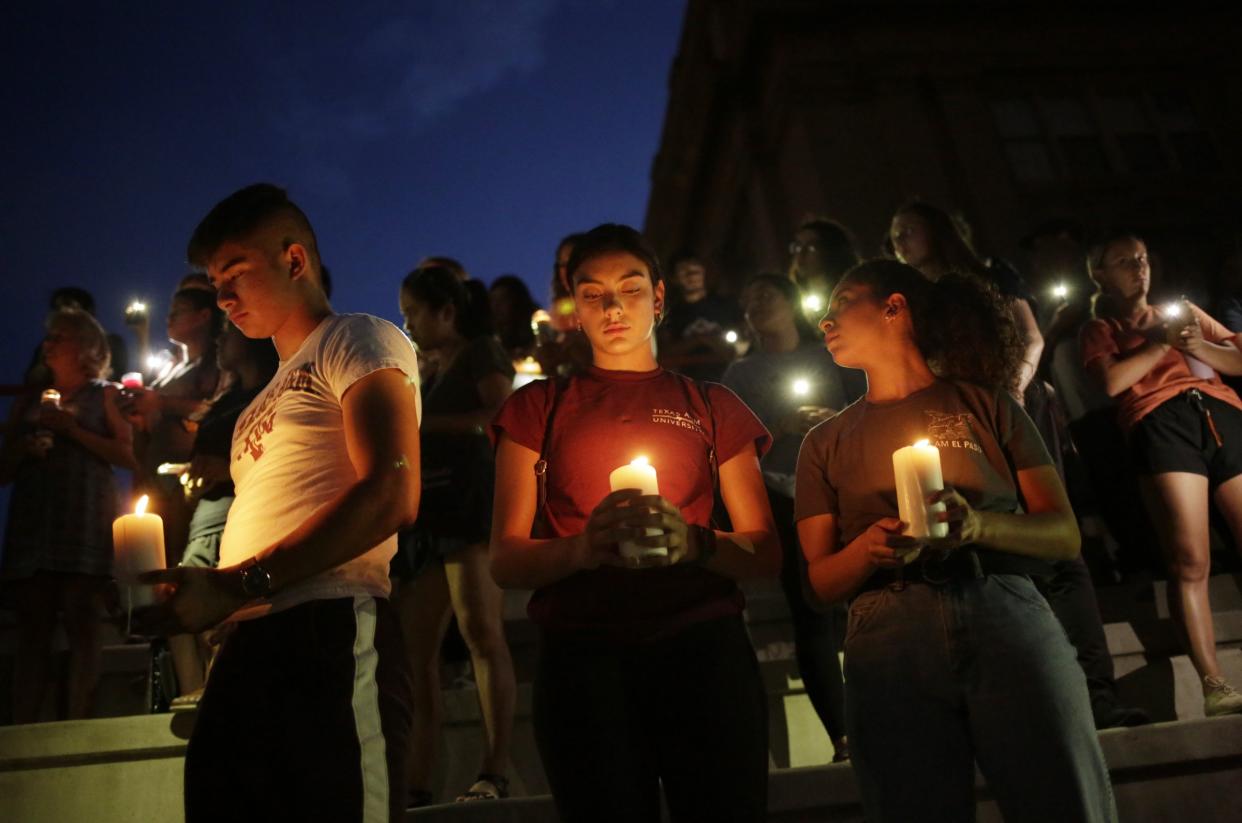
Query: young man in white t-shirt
306,713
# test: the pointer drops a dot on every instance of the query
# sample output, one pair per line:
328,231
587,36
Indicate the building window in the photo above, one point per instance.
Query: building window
1138,142
1189,140
1051,137
1025,146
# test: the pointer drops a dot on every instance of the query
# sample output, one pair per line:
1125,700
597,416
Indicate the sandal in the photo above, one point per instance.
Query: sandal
486,787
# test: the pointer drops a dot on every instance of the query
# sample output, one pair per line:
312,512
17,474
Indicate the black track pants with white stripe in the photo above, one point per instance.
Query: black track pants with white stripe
305,717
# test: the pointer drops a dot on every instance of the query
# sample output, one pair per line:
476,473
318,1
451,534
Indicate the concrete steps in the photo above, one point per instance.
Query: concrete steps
129,769
104,760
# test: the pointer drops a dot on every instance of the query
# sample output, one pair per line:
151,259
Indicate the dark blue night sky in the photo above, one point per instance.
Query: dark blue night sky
481,129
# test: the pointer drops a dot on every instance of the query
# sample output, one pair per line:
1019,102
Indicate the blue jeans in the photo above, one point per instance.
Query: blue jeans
939,678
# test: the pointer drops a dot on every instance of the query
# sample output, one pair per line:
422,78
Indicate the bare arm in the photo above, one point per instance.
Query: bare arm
519,561
1119,372
1225,357
752,548
1029,327
381,437
1047,531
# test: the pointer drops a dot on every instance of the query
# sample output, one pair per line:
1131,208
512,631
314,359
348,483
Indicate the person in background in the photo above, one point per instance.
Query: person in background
1184,427
645,677
561,348
450,263
692,336
58,537
952,657
791,386
927,238
821,251
1095,464
161,412
246,366
72,297
442,565
512,308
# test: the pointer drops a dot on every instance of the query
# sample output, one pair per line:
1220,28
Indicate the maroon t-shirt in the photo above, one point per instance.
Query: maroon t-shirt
602,420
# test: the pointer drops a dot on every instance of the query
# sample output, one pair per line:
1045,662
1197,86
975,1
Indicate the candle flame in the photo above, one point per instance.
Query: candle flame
921,444
141,508
639,461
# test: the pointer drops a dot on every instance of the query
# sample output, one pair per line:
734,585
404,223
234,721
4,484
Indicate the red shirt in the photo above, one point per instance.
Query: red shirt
1168,378
603,420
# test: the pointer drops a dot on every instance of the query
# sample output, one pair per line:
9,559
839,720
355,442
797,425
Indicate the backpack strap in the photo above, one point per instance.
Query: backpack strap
556,390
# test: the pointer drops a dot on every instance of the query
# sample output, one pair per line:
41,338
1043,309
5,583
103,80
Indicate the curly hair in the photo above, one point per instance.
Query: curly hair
94,353
962,326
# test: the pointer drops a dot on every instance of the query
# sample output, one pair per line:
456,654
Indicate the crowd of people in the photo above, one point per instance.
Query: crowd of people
337,493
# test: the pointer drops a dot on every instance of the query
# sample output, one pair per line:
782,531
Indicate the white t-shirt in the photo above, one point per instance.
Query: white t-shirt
289,456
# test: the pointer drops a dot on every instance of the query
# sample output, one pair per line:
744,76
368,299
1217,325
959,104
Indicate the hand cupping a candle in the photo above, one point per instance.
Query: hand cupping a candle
887,545
194,599
641,522
965,524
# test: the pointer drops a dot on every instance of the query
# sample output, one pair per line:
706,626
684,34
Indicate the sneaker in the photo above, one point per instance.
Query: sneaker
1220,698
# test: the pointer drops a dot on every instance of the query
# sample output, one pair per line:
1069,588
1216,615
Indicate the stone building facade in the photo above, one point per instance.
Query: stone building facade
1009,114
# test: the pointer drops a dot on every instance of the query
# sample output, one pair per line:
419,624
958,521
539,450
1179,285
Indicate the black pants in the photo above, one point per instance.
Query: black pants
1071,594
817,635
613,723
305,717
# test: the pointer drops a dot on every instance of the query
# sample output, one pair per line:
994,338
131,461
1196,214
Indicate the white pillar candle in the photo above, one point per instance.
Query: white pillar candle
917,471
641,475
138,546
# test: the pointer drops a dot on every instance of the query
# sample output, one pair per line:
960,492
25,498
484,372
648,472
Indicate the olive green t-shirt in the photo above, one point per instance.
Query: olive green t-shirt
845,466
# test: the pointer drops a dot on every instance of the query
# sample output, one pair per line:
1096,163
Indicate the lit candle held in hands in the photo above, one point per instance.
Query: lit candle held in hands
917,471
641,475
138,546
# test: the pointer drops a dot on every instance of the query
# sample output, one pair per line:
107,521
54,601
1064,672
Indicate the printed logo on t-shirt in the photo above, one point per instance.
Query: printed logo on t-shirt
683,420
260,420
952,430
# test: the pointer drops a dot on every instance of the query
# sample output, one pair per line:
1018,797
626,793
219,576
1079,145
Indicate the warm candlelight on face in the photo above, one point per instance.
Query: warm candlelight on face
641,475
916,470
138,546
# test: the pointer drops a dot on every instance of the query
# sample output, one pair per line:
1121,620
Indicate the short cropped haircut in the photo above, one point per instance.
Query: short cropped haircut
610,238
243,213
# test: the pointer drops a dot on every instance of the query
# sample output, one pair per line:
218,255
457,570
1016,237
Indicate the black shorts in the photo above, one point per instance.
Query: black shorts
1178,437
306,717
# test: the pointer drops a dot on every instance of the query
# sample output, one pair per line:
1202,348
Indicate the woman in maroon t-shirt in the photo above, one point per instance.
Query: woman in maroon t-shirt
1184,427
645,675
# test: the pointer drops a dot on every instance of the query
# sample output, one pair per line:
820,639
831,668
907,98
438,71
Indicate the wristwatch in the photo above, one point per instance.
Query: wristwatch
256,581
705,538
